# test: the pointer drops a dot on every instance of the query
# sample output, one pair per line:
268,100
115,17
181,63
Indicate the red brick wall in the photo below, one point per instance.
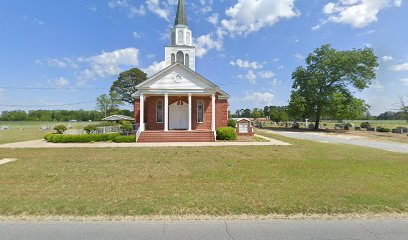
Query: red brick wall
207,113
137,110
221,112
150,113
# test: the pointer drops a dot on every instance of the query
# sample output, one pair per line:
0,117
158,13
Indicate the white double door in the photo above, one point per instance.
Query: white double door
178,116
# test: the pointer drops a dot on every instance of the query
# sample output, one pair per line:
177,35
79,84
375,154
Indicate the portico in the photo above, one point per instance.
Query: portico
177,111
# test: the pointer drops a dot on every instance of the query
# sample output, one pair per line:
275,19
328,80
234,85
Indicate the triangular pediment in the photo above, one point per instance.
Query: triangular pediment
178,78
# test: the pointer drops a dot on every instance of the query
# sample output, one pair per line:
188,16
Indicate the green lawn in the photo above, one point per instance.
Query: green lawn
307,178
31,130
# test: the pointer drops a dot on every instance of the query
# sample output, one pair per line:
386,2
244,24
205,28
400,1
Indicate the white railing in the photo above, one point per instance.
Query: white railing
108,129
138,130
75,132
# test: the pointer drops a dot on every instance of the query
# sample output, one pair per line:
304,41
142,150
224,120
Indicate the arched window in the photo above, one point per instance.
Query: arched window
200,111
173,38
159,111
173,58
187,60
180,39
188,36
180,57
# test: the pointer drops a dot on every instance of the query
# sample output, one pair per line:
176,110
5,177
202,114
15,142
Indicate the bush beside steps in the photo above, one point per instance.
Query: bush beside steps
89,138
227,134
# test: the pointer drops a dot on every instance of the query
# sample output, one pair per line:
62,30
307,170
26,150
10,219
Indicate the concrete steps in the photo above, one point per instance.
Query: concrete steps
176,136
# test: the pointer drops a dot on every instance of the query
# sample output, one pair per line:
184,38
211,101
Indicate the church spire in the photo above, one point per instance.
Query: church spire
181,18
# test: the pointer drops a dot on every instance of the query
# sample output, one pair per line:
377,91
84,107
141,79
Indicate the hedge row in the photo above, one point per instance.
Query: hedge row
114,137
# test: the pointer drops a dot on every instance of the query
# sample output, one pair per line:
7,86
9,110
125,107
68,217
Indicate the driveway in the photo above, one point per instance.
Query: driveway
345,139
211,230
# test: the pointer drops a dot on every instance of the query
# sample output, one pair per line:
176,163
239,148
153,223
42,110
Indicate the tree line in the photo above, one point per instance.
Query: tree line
283,114
59,115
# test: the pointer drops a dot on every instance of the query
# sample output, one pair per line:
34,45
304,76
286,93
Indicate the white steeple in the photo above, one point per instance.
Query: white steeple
181,47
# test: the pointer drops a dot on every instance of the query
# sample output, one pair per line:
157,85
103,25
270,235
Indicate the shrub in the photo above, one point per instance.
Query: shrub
60,129
382,129
365,125
296,125
125,139
348,126
90,128
126,127
227,134
59,138
232,123
48,136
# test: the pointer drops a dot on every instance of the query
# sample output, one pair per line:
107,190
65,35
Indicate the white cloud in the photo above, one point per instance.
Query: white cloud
137,35
205,43
39,21
92,8
357,13
161,10
109,63
60,82
255,99
154,68
248,16
299,56
400,68
246,64
213,19
377,85
106,64
387,58
251,76
404,81
266,74
125,5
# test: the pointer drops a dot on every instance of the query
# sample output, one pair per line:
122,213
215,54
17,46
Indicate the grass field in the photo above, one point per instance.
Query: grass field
24,131
308,178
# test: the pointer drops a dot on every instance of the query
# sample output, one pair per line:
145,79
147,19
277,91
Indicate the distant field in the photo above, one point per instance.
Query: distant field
25,131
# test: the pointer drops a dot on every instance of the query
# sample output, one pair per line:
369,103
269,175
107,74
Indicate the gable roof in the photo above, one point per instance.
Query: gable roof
178,64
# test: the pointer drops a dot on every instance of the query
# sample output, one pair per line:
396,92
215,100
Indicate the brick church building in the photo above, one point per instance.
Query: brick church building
177,104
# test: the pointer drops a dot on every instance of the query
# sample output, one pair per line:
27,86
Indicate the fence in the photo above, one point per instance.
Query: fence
109,129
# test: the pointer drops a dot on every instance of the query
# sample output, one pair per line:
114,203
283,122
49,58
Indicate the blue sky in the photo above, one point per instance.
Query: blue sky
69,52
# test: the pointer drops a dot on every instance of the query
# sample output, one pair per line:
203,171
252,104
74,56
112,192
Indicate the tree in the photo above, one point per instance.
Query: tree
329,73
126,84
256,113
404,108
278,114
107,103
343,107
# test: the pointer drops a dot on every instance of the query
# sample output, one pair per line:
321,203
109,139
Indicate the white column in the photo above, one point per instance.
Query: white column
142,126
213,113
190,103
166,112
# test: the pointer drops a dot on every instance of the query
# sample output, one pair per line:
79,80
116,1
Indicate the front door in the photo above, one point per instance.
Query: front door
178,119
